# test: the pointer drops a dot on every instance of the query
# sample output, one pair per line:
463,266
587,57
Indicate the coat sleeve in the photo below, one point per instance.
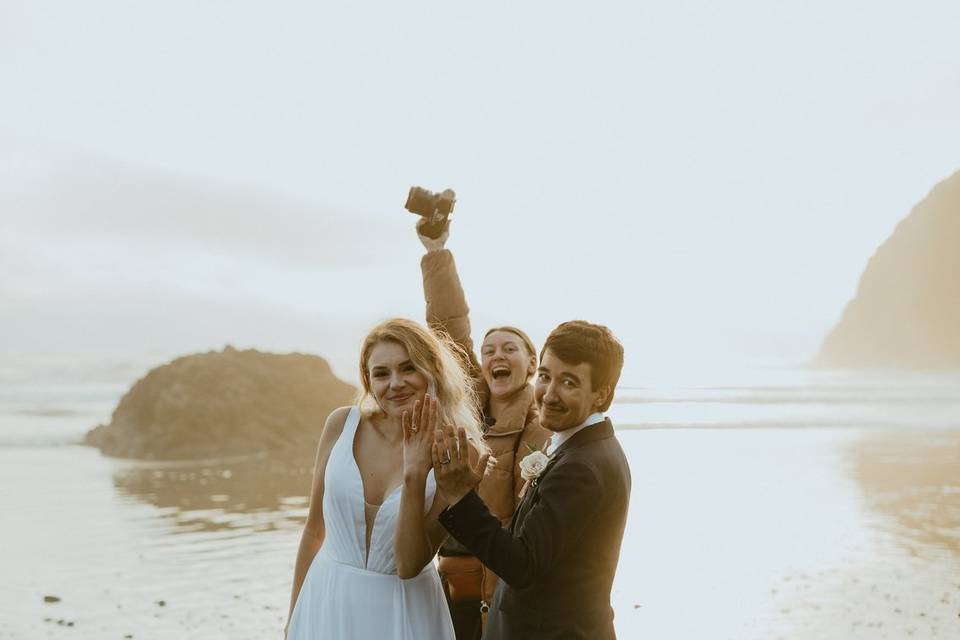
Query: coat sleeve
569,497
446,303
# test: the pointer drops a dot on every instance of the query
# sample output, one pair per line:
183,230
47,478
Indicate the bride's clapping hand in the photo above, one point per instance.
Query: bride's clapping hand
418,428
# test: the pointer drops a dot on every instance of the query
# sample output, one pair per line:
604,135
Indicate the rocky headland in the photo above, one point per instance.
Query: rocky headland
906,312
224,403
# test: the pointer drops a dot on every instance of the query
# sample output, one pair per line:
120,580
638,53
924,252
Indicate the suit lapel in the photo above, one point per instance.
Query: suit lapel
590,433
528,490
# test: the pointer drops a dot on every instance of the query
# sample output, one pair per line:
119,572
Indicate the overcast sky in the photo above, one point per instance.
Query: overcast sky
707,178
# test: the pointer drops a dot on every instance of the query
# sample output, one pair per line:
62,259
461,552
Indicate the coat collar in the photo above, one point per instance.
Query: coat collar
516,414
590,433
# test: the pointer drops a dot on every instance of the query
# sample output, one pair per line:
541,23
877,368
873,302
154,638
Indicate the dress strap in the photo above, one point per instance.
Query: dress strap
343,447
351,424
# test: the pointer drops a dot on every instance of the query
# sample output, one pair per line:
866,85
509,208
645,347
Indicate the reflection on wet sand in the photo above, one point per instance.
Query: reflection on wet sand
216,495
886,569
914,480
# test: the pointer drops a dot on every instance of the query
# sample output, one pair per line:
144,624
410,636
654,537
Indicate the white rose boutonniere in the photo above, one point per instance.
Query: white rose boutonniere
533,465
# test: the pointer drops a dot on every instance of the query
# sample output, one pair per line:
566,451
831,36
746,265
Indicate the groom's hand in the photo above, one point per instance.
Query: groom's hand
451,464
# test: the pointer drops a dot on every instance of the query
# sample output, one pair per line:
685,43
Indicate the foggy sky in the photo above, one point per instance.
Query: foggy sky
706,178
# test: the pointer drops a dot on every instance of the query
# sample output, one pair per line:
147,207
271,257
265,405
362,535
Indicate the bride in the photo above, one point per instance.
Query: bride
364,569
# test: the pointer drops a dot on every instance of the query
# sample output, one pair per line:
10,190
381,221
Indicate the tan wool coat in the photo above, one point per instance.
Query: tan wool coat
518,428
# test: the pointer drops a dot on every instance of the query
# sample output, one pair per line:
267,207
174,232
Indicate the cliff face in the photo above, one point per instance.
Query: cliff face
906,313
224,403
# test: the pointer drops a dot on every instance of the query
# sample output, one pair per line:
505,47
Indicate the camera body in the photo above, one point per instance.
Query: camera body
434,207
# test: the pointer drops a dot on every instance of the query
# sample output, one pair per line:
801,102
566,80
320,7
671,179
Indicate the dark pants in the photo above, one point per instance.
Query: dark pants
465,615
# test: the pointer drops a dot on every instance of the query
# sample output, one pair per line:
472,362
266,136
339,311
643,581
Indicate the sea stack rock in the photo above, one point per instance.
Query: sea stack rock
222,404
906,313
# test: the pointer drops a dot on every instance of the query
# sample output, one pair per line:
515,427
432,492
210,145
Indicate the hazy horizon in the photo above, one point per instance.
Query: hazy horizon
721,174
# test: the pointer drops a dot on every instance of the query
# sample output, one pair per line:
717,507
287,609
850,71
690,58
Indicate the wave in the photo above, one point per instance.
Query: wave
785,424
795,399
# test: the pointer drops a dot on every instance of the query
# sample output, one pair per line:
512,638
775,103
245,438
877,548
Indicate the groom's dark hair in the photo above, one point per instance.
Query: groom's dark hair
578,341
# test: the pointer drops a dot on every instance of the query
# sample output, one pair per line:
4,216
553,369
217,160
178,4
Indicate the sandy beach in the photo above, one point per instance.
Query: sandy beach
211,210
740,533
767,534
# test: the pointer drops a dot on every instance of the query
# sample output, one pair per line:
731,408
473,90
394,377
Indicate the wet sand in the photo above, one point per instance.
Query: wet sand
733,533
791,534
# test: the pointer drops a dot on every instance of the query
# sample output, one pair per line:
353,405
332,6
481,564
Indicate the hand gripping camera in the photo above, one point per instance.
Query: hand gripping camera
434,207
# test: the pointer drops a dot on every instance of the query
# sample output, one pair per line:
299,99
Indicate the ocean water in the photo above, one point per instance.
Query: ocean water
751,516
50,399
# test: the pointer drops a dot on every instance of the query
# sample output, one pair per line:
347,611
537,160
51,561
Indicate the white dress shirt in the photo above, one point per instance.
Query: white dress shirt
559,437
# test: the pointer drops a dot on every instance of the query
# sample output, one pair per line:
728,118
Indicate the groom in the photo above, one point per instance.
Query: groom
558,558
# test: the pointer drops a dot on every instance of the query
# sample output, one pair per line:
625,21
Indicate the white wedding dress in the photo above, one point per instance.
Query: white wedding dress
351,594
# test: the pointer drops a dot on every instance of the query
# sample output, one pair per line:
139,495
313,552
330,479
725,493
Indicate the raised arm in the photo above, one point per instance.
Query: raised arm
568,499
446,303
419,534
313,532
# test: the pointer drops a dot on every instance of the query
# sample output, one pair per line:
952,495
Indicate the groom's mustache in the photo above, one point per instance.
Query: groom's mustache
553,406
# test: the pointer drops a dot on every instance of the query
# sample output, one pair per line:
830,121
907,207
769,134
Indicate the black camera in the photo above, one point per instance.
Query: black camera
434,207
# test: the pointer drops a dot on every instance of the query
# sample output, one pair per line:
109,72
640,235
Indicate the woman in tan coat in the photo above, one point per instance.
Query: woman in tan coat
508,360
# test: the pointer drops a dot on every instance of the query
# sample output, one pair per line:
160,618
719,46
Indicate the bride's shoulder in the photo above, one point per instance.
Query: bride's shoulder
331,432
333,427
338,417
335,421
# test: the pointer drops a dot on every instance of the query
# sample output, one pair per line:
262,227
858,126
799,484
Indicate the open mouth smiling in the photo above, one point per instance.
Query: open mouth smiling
500,372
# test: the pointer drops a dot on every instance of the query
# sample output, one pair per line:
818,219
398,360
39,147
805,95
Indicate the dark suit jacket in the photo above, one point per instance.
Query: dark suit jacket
558,559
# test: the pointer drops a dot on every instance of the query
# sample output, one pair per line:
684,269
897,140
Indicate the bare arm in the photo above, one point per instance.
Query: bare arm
313,531
418,536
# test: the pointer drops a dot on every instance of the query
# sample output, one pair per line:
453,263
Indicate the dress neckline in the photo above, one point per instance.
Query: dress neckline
369,531
356,465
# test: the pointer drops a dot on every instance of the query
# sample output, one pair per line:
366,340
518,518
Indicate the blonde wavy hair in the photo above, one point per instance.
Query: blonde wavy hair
439,359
